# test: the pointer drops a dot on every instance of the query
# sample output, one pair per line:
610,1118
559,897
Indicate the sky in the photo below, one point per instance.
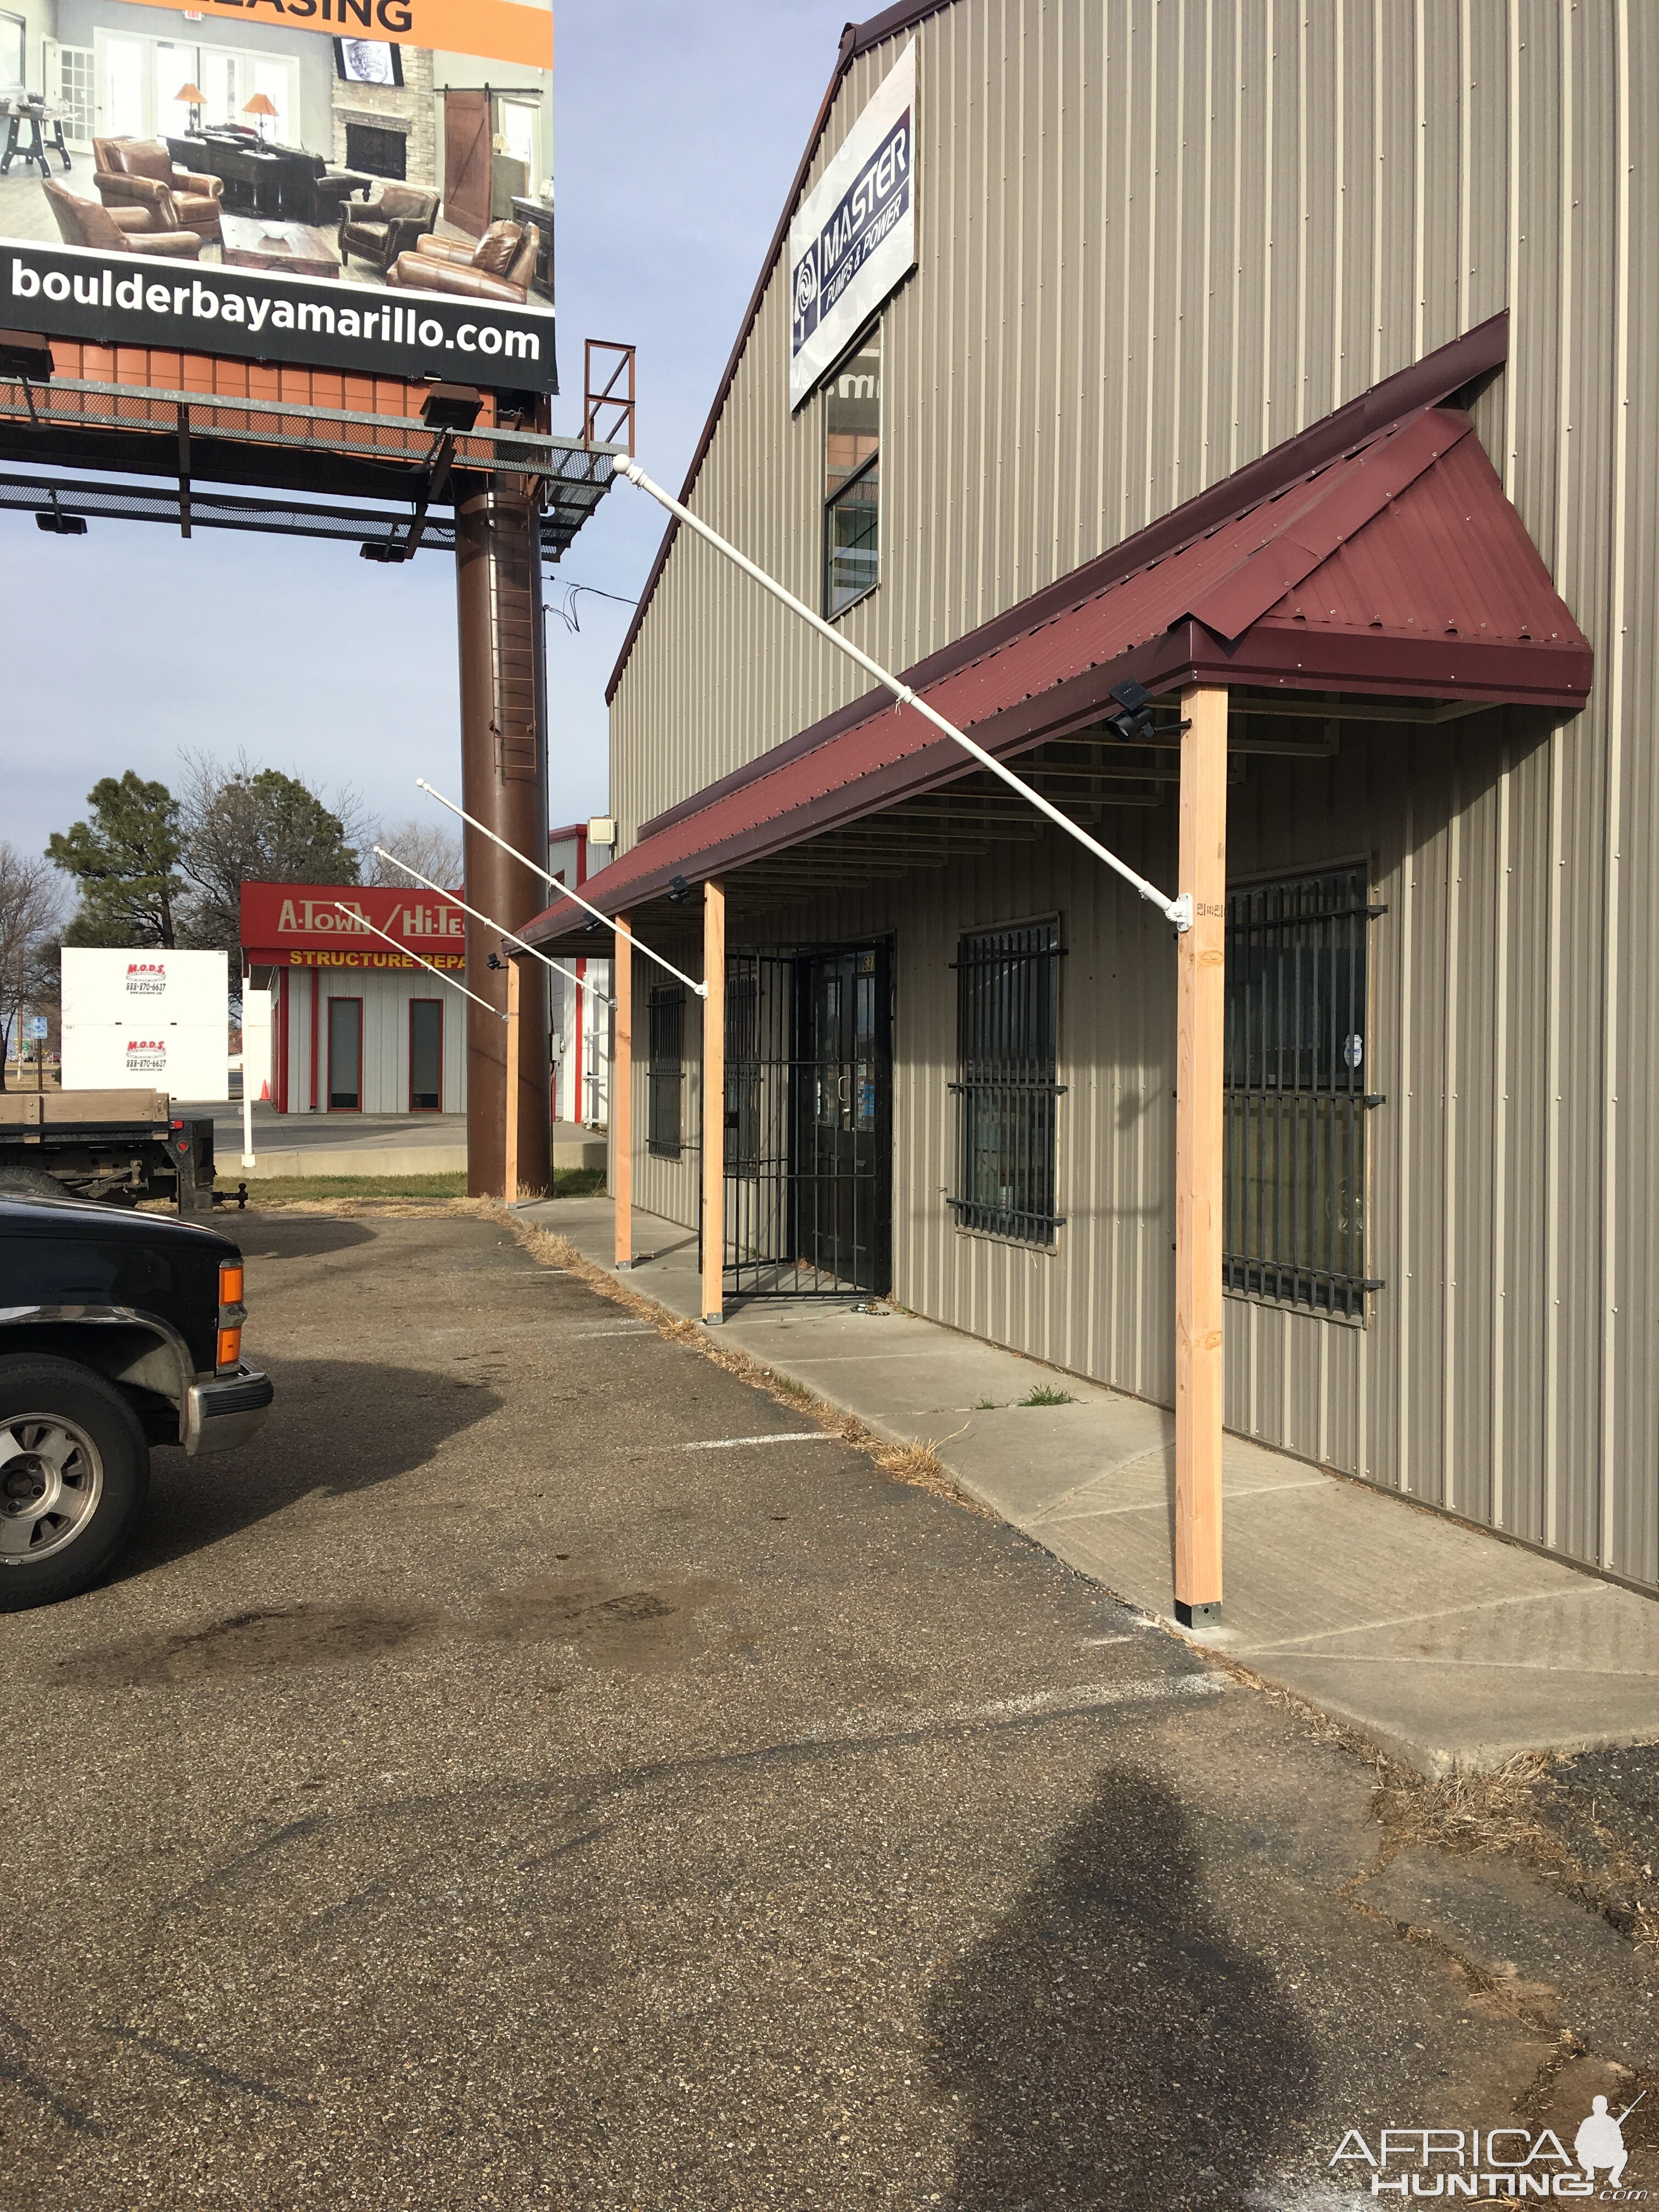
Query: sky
679,126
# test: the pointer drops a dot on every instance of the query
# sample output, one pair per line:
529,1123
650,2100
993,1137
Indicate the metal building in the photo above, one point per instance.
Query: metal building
1242,344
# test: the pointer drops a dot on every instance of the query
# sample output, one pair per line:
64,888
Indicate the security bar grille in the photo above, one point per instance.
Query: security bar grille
808,1113
666,1075
1007,1046
1295,1091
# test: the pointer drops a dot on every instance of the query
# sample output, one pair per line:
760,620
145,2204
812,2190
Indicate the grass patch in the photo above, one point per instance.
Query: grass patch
577,1182
286,1190
1044,1395
294,1190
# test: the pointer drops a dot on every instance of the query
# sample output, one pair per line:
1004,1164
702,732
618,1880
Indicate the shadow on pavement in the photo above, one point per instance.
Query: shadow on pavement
1108,2044
337,1426
290,1235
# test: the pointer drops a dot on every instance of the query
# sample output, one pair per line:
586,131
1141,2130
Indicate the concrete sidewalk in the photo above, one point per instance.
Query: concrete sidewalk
1447,1646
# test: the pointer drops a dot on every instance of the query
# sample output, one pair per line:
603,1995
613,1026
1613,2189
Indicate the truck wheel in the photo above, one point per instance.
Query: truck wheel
29,1182
74,1476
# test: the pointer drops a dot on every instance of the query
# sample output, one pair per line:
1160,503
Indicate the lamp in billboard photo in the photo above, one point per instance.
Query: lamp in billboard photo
192,97
262,107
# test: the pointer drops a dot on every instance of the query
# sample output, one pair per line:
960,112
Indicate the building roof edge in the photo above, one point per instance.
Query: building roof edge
855,40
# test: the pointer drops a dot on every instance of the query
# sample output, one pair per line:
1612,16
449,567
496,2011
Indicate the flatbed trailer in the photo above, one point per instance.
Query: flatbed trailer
120,1145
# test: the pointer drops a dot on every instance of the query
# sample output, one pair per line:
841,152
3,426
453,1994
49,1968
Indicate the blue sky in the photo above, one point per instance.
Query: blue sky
679,124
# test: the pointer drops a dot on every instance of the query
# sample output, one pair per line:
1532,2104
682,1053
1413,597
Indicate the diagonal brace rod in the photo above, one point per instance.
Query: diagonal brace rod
363,922
563,889
507,935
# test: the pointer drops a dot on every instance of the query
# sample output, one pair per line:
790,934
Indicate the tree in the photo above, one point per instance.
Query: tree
30,915
425,846
256,826
125,862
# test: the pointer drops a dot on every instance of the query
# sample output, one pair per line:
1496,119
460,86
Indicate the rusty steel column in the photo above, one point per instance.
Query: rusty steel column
498,578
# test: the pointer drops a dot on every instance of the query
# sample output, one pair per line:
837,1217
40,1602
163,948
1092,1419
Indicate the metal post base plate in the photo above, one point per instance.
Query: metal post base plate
1198,1616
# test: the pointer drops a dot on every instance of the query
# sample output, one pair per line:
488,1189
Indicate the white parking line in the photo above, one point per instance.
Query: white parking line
1085,1697
627,1328
731,1443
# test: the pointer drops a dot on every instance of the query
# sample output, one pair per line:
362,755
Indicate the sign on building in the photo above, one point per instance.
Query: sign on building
301,926
853,238
140,1016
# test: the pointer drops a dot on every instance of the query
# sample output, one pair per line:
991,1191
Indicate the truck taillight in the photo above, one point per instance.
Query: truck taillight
231,1314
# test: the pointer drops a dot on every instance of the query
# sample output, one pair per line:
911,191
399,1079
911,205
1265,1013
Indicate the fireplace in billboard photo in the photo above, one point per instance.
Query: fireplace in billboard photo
380,148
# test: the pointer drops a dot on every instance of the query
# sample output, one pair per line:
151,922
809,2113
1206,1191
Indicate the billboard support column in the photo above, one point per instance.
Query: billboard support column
498,575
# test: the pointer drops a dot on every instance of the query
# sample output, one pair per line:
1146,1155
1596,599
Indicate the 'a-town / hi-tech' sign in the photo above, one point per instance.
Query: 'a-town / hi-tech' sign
300,925
853,238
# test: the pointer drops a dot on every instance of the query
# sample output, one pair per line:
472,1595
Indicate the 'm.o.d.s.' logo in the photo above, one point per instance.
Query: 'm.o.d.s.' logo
147,1056
145,979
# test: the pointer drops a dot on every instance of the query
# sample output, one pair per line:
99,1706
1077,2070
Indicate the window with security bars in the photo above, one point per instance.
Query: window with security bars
1008,1091
665,1072
1295,1090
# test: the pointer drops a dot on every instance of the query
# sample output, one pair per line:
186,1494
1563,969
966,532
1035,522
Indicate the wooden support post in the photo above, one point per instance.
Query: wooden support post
510,1178
622,1093
1199,1030
713,1104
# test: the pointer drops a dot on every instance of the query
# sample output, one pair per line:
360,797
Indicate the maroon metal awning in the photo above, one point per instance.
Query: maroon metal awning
1395,568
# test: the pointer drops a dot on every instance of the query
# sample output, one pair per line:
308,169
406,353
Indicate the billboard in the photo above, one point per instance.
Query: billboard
364,186
142,1016
300,925
853,237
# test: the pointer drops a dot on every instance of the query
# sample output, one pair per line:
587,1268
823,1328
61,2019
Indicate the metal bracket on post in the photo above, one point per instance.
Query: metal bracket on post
1180,912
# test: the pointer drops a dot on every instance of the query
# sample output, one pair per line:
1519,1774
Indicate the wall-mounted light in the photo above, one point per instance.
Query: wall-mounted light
1133,720
678,890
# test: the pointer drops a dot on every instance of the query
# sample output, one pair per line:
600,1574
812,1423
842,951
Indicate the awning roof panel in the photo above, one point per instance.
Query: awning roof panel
1397,568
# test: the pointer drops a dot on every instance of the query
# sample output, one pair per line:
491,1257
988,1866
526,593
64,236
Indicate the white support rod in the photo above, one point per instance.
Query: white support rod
248,1158
563,889
507,935
1178,910
363,923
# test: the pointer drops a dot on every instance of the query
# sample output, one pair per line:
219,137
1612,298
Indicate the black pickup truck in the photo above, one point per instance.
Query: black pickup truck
118,1330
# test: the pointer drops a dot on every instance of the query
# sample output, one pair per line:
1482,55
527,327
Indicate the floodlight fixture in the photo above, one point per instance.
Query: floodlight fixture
678,890
1133,722
25,356
451,407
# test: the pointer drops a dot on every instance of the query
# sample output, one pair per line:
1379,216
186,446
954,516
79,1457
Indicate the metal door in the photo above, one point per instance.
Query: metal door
809,1122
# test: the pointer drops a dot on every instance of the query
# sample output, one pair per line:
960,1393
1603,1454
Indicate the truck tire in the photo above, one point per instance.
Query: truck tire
74,1476
29,1182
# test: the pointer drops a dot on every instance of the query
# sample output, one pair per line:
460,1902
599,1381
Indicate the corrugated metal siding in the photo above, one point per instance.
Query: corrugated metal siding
386,1036
671,1188
1155,237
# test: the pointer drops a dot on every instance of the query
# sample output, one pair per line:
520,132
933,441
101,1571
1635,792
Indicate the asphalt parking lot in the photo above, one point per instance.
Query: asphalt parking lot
544,1770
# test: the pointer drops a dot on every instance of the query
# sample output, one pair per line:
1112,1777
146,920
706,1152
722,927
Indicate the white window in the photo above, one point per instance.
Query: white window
13,54
138,82
70,84
220,80
172,71
278,82
518,129
123,79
